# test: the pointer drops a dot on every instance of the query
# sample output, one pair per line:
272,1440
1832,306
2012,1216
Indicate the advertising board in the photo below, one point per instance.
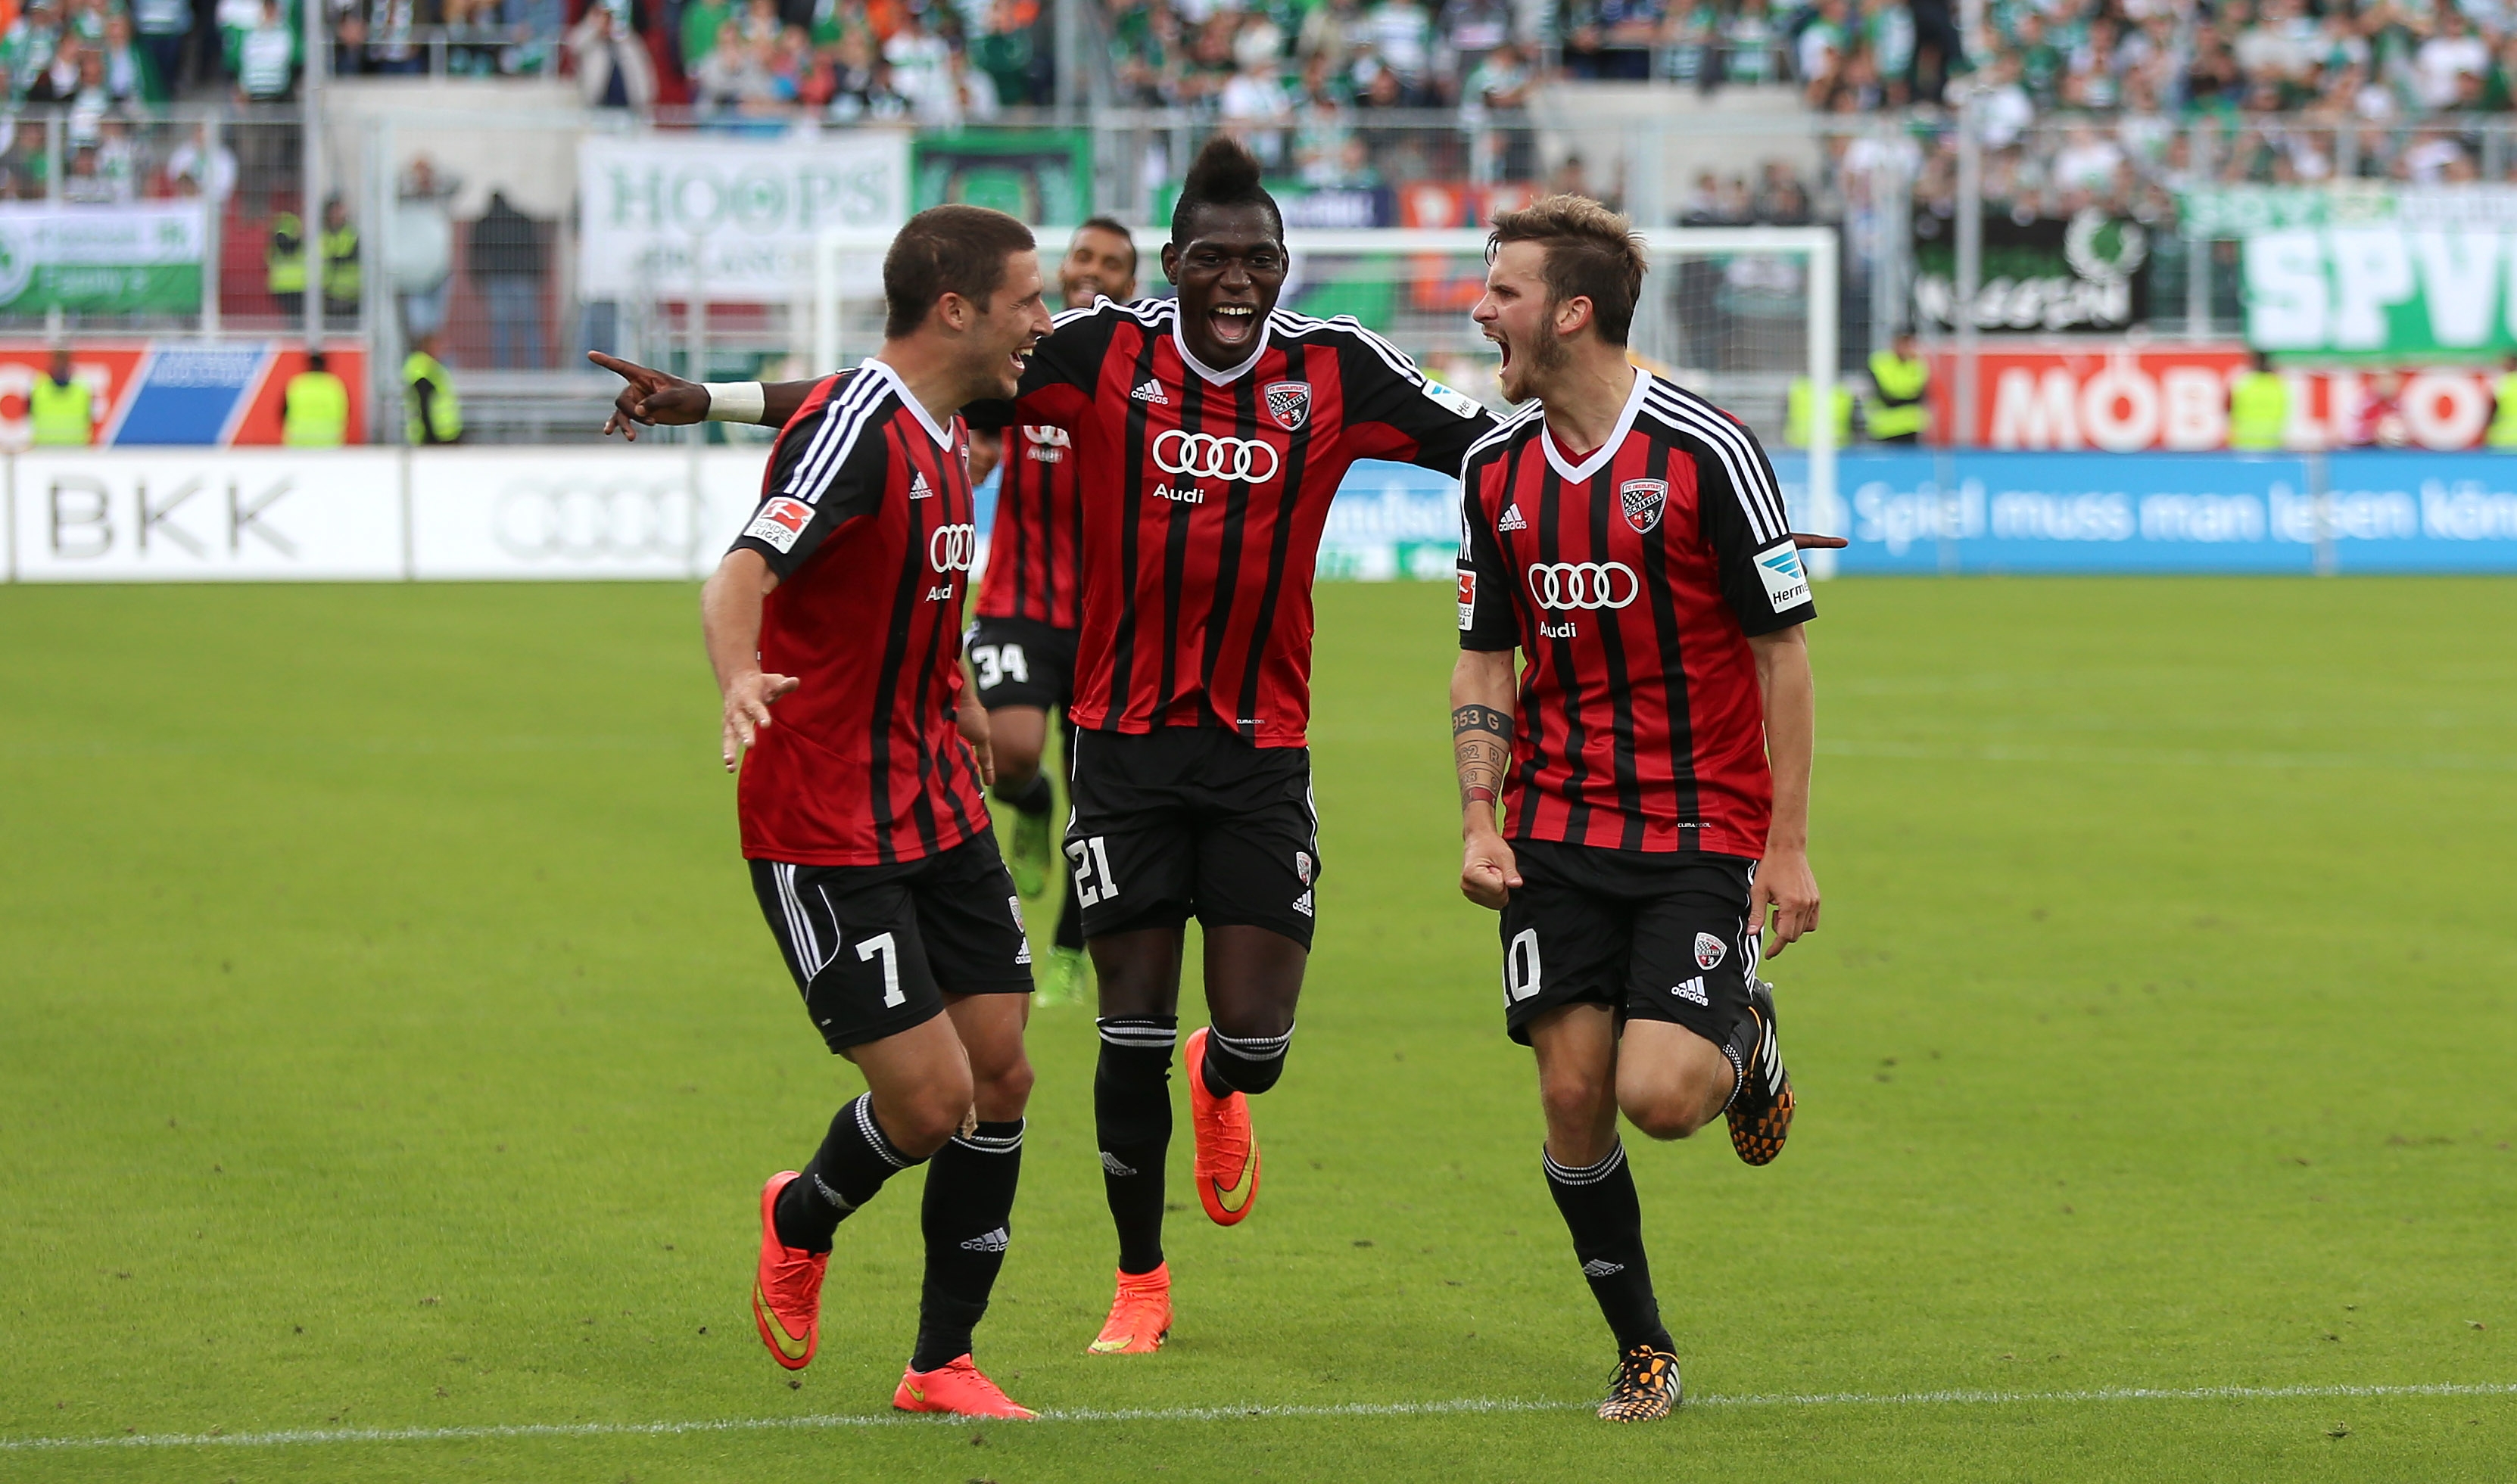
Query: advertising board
86,515
751,209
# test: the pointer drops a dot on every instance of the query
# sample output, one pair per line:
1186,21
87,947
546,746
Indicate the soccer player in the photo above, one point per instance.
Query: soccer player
1653,755
1022,648
1209,434
860,801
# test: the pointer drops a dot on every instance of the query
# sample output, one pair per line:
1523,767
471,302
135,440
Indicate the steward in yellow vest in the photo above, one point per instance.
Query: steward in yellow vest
1900,380
1797,407
284,262
2258,407
317,408
431,416
61,410
2503,416
342,278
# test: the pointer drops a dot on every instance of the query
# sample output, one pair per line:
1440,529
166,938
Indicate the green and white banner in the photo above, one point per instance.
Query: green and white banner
2385,289
749,210
131,259
2240,211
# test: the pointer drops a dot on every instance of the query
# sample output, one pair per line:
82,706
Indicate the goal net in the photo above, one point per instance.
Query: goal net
1737,314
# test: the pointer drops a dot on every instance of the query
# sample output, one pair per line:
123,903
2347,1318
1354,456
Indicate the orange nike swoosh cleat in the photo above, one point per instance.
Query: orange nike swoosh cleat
1228,1152
957,1386
787,1291
1140,1317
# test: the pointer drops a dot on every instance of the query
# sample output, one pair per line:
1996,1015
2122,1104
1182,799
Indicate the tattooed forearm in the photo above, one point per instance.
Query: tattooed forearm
1481,748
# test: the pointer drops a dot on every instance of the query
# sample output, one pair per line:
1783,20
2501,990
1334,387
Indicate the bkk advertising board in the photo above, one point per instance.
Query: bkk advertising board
749,209
205,515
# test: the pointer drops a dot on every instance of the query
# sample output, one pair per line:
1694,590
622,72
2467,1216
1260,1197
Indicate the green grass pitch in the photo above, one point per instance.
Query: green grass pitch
390,1051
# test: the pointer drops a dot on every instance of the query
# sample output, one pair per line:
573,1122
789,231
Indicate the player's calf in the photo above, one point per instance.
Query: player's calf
1670,1081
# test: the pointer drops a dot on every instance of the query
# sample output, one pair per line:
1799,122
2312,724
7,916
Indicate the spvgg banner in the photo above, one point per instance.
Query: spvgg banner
2087,276
2392,289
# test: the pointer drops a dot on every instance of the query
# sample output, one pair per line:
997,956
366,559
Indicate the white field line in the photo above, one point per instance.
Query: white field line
2169,757
1464,1406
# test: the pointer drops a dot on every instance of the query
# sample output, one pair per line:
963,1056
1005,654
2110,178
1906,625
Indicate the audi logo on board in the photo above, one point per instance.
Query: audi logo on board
1208,456
1590,585
949,548
585,521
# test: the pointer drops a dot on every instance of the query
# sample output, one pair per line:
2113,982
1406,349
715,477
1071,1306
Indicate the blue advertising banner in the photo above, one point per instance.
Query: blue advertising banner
1939,511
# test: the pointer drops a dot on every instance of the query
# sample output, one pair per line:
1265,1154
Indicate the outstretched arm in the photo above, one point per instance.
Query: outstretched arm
1784,880
730,619
1481,698
656,397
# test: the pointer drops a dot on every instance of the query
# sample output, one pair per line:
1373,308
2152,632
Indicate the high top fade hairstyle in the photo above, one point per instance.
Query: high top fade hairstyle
1591,253
1224,174
947,250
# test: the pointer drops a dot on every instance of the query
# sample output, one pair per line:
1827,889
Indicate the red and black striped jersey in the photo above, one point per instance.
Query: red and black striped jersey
865,517
1032,550
1631,579
1205,494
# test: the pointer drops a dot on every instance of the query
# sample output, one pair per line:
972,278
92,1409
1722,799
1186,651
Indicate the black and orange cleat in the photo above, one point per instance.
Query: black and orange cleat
787,1290
1645,1387
1761,1108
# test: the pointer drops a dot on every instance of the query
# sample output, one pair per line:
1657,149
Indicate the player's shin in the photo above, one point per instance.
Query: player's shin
970,1205
855,1159
1605,1217
1132,1114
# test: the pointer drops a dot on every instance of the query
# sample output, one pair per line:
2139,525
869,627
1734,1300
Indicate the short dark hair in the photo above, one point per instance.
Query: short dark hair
314,359
947,250
1224,174
1113,225
1591,253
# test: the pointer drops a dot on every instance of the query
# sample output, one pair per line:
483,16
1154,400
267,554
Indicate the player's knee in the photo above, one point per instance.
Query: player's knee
1016,770
1665,1117
1572,1099
920,1122
1002,1093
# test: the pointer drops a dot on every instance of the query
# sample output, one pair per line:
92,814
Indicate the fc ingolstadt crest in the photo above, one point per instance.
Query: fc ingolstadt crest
1642,499
1289,403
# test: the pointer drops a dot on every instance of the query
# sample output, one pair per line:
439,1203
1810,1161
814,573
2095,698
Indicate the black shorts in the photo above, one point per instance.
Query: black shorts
1022,663
876,947
1194,821
1661,936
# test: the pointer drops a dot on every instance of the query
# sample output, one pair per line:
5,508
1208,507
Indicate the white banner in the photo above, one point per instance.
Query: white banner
541,514
206,515
752,210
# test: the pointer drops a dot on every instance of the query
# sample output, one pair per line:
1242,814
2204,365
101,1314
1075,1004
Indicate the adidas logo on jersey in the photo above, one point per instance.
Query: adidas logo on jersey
1302,904
1512,520
1152,392
1692,991
917,488
1113,1165
1602,1268
993,1242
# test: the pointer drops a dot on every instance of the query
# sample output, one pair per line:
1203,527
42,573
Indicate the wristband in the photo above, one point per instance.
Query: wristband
1478,793
736,401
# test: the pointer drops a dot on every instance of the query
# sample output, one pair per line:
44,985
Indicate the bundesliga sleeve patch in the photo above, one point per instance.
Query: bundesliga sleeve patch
1468,601
1452,401
780,523
1787,585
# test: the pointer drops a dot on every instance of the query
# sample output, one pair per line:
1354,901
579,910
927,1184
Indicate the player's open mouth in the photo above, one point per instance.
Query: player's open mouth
1233,324
1502,345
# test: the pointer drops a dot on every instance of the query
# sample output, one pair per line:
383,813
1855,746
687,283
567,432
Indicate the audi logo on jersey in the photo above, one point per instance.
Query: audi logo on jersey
1207,456
949,548
1590,585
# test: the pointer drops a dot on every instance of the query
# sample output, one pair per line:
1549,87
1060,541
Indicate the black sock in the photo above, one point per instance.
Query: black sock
854,1161
1033,799
1244,1063
1741,1053
1132,1114
969,1199
1607,1219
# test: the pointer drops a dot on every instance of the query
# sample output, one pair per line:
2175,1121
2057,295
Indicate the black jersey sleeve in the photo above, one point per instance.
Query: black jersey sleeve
1487,618
1396,411
1739,510
827,467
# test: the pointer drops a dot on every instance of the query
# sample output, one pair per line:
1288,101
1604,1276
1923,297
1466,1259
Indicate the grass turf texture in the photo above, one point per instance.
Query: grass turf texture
389,1039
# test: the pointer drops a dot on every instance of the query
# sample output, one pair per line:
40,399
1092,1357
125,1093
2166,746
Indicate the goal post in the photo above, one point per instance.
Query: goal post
1736,314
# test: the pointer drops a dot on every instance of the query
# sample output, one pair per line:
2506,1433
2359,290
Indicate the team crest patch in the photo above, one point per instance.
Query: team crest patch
780,523
1303,866
1708,951
1642,500
1289,403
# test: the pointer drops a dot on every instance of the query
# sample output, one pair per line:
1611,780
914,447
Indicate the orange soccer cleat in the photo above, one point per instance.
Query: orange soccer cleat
1140,1317
957,1386
1227,1152
787,1291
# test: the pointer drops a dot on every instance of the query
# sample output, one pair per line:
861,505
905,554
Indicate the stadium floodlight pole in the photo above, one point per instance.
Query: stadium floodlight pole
1970,262
309,223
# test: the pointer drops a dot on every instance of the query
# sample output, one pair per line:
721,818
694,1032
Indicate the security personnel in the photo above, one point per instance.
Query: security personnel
1796,413
1897,409
284,262
432,414
61,410
2258,407
315,407
2503,415
342,280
